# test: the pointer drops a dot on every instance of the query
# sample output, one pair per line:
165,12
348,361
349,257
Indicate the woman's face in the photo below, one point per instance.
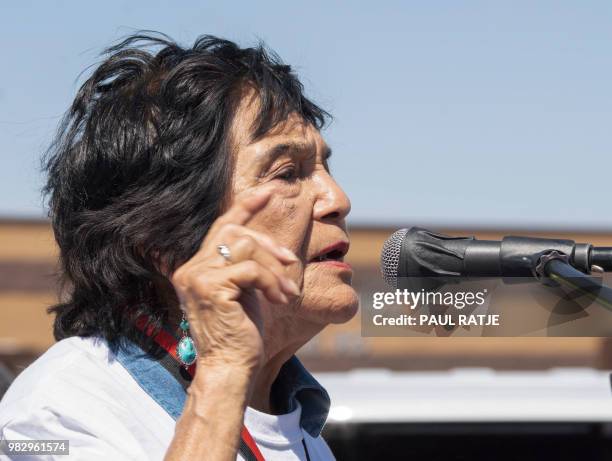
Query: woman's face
306,212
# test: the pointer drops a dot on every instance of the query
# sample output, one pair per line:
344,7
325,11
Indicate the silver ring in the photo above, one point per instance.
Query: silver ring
225,252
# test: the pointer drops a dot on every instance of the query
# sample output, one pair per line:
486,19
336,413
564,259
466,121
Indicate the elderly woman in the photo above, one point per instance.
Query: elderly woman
202,239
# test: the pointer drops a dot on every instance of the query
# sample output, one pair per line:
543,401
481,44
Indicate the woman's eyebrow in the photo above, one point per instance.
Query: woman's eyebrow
282,148
270,155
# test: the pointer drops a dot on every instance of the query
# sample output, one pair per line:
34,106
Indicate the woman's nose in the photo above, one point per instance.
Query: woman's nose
331,202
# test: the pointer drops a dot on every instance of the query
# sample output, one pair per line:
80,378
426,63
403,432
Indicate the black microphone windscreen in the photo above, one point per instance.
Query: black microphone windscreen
390,256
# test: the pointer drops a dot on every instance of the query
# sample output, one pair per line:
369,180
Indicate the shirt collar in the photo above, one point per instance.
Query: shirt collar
295,384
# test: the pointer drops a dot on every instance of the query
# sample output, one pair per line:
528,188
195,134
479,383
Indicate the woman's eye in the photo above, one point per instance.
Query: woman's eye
288,174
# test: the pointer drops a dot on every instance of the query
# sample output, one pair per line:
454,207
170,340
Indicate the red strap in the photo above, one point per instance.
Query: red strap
249,442
169,342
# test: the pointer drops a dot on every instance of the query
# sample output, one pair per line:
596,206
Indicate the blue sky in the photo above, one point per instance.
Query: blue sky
460,113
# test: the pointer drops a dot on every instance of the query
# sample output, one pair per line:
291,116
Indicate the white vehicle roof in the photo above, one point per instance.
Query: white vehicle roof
469,395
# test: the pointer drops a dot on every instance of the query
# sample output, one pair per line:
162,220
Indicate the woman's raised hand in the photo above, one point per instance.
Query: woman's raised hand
226,316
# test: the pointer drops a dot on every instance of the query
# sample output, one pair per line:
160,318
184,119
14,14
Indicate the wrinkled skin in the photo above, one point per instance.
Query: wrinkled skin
257,310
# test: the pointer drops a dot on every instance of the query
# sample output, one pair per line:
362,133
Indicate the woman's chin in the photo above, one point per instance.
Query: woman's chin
346,313
334,305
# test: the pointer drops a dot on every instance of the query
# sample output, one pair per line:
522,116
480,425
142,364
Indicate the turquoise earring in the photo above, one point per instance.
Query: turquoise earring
185,349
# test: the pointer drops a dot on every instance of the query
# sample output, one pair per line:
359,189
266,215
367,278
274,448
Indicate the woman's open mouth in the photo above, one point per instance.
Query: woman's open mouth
333,255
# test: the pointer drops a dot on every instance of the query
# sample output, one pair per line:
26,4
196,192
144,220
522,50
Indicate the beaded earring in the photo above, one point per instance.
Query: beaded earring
185,349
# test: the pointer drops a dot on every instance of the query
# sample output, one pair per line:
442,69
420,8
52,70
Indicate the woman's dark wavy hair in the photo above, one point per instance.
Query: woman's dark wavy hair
141,165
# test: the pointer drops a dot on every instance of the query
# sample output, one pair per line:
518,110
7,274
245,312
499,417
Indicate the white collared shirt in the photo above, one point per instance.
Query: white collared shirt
76,392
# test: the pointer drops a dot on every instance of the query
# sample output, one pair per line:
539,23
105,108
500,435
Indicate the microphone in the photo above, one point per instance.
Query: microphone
432,259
